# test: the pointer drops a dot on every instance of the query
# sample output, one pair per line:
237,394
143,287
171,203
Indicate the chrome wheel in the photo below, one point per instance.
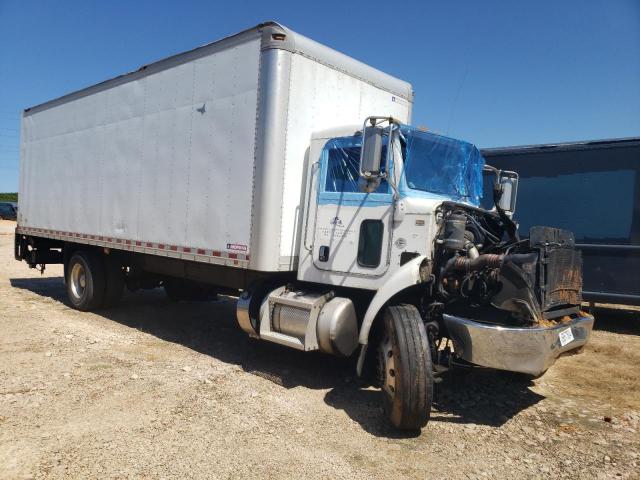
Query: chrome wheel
78,280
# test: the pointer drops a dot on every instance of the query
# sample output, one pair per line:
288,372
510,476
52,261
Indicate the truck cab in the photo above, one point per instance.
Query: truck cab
392,228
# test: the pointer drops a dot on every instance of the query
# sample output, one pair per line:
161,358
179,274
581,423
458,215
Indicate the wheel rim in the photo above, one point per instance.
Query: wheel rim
78,280
387,370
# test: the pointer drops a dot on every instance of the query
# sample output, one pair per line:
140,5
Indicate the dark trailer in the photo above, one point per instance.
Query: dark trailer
593,189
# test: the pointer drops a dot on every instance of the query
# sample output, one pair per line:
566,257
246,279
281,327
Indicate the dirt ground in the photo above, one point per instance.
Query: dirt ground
153,389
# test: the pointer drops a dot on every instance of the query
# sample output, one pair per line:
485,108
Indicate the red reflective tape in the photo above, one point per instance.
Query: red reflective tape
186,249
149,244
138,244
161,246
128,242
215,253
173,248
201,251
233,255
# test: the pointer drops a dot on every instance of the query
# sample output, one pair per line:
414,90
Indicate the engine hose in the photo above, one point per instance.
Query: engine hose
463,264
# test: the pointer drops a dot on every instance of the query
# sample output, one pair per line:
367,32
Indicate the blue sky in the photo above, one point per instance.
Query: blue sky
495,73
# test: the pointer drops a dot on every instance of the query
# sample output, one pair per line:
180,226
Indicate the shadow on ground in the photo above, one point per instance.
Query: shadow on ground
478,396
625,320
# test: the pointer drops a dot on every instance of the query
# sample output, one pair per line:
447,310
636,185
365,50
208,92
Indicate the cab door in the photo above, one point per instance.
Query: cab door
352,229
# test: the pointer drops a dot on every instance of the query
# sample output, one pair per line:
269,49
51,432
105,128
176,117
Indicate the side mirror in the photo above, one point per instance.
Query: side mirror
371,152
371,159
508,182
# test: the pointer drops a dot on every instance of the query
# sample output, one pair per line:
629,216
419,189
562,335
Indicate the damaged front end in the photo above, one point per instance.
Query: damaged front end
542,278
507,303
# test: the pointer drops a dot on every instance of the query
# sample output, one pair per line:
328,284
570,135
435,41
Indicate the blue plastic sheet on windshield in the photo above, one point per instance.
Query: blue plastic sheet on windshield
442,165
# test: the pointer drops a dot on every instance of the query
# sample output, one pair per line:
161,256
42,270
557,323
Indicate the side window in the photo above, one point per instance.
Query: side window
342,170
370,243
343,161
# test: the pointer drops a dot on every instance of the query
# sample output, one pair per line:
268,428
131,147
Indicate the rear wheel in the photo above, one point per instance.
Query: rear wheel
405,368
85,280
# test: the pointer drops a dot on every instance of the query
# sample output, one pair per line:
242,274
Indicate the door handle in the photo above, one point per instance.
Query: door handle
323,253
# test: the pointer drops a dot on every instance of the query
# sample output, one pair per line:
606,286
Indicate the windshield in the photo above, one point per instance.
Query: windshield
442,165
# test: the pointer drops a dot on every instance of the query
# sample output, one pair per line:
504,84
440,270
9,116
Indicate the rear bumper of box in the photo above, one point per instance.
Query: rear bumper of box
526,350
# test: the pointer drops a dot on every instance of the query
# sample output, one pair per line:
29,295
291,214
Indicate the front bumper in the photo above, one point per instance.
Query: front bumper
526,350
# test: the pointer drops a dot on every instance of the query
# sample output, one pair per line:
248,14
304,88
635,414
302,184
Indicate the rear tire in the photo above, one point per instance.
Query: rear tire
86,279
405,368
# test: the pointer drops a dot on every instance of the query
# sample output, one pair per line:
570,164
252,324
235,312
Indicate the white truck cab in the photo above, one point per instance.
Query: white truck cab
393,227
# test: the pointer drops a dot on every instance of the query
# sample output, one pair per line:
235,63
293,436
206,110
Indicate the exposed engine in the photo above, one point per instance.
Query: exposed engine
481,262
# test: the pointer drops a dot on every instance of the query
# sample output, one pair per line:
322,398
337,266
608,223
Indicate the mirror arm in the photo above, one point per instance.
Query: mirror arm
391,163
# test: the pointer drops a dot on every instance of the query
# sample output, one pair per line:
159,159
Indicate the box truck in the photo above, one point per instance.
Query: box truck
270,167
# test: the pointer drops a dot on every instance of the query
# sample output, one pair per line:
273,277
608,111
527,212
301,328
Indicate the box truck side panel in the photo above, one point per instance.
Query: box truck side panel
322,97
199,156
162,159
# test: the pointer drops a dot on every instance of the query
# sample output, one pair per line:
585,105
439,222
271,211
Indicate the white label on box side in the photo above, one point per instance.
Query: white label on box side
566,336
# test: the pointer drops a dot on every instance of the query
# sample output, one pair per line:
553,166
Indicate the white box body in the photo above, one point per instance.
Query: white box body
200,156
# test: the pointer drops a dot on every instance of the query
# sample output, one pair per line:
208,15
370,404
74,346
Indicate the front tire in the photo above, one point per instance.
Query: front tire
86,280
405,368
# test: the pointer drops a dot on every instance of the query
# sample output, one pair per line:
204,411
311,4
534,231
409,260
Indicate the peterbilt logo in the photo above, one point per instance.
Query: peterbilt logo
335,221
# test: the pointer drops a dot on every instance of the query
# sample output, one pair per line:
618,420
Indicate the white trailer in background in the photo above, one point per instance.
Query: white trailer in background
243,166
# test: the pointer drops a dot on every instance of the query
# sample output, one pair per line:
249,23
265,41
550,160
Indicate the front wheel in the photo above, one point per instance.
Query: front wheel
405,368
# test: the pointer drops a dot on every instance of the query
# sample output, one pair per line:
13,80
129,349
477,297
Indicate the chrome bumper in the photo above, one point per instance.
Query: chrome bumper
526,350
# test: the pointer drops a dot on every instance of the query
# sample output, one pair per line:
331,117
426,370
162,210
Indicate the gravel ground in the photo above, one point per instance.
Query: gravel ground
152,389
